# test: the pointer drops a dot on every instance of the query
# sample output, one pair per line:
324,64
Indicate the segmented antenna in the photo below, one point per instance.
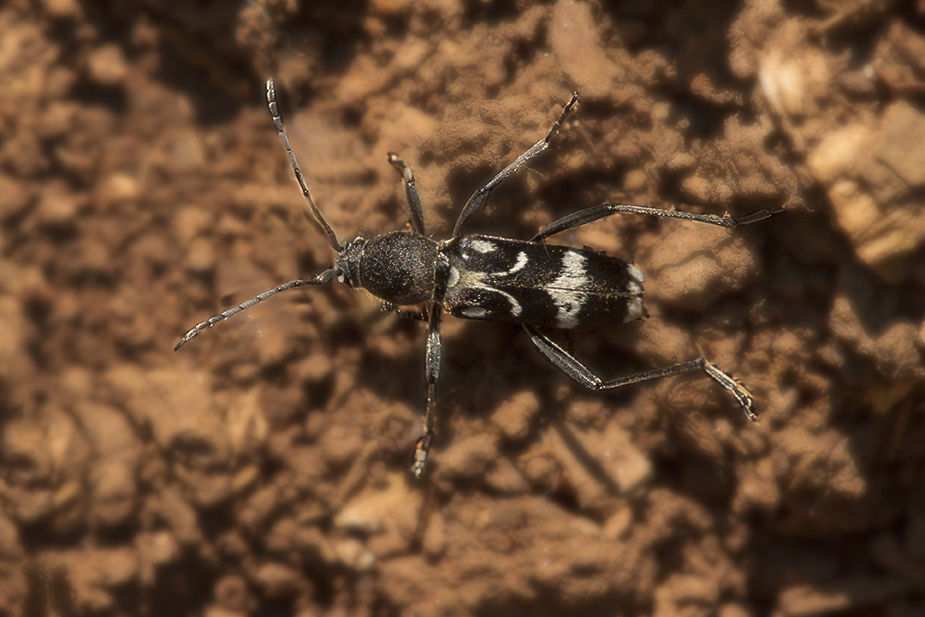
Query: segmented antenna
278,121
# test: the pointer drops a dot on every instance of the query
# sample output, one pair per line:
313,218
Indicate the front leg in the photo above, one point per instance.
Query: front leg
411,192
432,359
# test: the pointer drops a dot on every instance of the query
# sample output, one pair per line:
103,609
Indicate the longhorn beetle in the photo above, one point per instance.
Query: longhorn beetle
489,278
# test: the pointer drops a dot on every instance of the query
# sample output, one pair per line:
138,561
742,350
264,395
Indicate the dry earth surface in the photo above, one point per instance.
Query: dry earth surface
263,469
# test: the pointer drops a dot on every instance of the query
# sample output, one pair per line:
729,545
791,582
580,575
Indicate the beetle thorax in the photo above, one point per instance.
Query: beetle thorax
397,267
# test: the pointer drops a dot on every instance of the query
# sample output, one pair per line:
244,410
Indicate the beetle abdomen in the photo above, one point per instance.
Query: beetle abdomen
498,279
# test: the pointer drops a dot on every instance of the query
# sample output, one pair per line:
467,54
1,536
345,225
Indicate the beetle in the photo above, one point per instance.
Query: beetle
482,277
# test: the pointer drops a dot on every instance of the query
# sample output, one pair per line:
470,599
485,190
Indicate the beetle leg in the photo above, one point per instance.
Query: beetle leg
570,365
477,199
411,193
432,359
588,215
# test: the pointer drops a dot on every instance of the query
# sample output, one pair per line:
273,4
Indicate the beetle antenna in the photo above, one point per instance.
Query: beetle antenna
316,213
321,279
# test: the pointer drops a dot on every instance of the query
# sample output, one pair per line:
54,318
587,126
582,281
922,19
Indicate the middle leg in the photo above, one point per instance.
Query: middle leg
477,199
432,358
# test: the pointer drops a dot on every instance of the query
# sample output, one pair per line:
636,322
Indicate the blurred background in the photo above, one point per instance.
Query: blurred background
263,469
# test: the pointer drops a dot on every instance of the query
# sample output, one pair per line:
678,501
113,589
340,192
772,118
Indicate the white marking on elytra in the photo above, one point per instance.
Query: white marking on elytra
483,246
634,308
569,304
522,261
463,278
479,280
515,305
638,279
475,312
572,276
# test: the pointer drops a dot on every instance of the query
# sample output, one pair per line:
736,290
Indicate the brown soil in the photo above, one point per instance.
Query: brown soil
263,469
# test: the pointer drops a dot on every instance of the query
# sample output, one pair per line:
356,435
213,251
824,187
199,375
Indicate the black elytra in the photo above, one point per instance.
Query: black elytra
490,278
